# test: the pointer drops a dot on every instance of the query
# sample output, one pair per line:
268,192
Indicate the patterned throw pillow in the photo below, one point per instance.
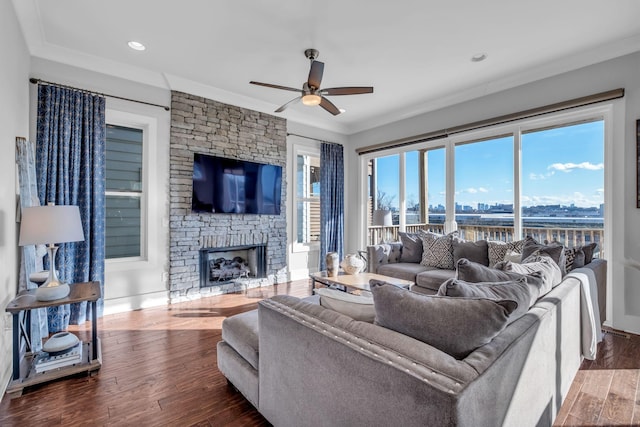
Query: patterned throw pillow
437,250
498,250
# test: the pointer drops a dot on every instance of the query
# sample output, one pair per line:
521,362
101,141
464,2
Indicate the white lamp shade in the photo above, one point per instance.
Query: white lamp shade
50,224
382,217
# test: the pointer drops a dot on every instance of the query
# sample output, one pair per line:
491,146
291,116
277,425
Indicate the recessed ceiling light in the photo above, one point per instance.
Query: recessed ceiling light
342,110
136,45
478,57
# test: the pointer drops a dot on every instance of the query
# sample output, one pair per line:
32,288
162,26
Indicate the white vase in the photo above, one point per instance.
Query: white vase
352,264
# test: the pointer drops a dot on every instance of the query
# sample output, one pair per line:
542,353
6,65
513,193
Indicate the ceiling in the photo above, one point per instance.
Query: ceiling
416,53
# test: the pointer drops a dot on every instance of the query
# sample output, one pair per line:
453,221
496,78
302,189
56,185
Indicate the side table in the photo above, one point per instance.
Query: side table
24,374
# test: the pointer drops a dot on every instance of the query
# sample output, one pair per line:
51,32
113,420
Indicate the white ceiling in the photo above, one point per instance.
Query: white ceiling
416,53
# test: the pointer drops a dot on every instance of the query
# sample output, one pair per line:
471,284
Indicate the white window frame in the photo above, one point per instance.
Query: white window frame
148,125
602,112
301,150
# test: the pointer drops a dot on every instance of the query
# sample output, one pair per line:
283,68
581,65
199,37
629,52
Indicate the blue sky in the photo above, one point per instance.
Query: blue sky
559,166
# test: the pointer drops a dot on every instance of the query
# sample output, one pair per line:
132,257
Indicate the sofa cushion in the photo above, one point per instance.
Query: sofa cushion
498,250
411,247
433,278
554,250
456,326
401,270
437,250
473,251
240,331
358,307
551,273
524,291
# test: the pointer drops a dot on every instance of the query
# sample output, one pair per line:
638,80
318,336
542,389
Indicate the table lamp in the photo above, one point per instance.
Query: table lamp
49,225
383,218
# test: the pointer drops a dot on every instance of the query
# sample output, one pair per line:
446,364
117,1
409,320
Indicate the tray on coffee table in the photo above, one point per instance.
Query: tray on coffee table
354,282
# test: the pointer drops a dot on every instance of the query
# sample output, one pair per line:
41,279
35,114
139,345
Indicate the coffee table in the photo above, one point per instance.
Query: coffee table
354,282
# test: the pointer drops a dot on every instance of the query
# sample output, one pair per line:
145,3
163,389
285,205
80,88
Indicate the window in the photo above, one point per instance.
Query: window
542,177
124,192
435,185
484,189
307,198
563,183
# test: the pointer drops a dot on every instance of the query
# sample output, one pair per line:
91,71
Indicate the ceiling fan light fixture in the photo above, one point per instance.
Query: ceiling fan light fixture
311,99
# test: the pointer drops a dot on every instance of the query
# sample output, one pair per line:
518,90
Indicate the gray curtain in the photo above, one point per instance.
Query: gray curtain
331,201
31,259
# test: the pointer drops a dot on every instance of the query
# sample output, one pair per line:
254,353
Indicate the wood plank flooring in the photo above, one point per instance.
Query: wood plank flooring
159,369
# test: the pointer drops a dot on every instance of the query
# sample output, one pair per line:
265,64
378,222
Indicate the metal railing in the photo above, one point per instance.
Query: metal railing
569,237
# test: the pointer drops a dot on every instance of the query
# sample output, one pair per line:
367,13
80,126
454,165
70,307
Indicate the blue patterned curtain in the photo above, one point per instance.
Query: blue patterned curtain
331,201
70,167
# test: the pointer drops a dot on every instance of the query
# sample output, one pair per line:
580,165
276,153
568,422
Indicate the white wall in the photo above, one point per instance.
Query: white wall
14,121
624,217
133,284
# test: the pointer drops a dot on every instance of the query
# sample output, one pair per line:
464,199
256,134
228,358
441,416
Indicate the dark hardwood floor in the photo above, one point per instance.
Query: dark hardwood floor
159,369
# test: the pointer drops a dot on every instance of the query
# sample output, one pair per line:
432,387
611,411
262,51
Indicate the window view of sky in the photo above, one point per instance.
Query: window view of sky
560,166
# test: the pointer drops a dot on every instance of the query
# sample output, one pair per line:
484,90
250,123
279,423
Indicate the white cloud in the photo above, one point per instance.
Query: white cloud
568,167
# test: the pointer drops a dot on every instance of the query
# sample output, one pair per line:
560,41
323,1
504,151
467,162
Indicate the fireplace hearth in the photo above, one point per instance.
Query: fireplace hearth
222,265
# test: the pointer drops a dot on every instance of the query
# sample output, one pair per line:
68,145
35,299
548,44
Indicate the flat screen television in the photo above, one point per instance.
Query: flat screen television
222,185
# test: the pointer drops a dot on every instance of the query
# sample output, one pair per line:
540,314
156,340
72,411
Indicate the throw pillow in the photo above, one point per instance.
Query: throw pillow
574,258
525,291
498,250
474,272
513,256
473,251
554,250
456,326
411,247
551,273
357,307
589,252
437,250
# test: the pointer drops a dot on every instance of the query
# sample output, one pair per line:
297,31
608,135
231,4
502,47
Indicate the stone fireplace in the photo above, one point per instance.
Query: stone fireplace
200,125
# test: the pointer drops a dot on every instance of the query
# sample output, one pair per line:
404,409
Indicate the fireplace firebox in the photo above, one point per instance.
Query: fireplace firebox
219,266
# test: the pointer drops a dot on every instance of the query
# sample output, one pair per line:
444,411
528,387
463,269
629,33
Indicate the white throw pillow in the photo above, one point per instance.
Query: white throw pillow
358,307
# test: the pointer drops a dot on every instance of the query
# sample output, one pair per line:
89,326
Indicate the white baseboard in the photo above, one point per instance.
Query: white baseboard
135,302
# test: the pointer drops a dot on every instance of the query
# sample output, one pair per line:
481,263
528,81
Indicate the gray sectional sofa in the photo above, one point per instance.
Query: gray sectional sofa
391,259
317,367
303,364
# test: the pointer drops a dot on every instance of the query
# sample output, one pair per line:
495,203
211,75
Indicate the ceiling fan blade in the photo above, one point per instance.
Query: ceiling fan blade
284,107
315,74
275,86
328,105
348,90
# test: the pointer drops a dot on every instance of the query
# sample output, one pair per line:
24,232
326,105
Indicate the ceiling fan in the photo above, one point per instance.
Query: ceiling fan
311,93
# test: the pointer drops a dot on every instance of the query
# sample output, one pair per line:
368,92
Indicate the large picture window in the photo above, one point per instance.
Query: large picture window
542,177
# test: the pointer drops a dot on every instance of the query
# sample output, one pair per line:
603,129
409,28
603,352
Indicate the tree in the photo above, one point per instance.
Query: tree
384,200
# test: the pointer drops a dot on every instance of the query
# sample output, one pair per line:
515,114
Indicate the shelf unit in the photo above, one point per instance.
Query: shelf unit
24,373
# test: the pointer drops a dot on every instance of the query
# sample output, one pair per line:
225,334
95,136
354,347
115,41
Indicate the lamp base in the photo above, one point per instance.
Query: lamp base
52,293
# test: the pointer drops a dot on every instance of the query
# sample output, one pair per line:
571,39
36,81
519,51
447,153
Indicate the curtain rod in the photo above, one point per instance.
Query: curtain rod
314,139
533,112
39,81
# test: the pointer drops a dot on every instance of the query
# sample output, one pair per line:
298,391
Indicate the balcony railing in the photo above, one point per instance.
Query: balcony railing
569,237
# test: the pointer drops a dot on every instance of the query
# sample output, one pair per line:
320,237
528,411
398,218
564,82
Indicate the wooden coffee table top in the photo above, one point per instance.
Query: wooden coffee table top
357,281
